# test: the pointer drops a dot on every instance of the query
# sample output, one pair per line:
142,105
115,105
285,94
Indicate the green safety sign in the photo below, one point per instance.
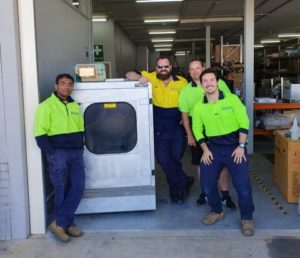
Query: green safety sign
98,53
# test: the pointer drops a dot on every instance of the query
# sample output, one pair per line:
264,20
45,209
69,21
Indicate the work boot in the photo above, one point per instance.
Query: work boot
74,231
247,227
177,198
59,232
202,199
227,201
212,218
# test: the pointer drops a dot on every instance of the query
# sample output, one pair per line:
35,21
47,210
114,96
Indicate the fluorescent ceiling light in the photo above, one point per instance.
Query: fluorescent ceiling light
162,32
265,41
182,53
288,35
163,45
99,19
162,49
258,45
192,39
160,20
162,40
156,1
213,19
75,4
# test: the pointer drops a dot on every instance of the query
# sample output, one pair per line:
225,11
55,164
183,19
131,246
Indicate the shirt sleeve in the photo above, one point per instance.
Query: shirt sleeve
183,103
148,75
241,114
42,126
197,124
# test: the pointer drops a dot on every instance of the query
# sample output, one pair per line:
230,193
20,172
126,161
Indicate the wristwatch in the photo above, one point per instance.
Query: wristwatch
242,145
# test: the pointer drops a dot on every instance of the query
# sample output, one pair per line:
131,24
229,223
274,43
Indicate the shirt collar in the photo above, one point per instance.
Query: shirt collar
69,99
175,78
221,96
193,83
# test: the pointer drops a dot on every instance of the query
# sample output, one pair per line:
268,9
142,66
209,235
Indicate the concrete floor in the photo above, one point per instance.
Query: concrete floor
169,216
160,244
176,230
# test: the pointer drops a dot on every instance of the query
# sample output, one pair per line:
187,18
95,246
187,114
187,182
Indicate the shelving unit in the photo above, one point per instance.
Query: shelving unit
278,61
270,106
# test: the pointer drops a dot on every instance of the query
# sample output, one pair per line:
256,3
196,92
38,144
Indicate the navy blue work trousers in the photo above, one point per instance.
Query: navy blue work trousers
240,179
169,149
66,170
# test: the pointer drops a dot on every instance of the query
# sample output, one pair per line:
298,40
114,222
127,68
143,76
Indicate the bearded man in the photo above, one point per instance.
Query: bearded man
169,139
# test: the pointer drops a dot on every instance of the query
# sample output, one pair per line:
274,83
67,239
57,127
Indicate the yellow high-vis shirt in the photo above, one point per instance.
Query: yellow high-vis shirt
165,96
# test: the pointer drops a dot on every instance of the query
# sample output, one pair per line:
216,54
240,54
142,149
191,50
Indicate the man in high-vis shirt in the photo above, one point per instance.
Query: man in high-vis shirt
224,119
169,139
59,132
189,96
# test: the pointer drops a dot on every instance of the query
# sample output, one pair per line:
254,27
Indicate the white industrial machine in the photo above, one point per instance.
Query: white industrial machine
119,149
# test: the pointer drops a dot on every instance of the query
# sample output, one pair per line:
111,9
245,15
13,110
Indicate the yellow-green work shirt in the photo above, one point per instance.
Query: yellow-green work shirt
192,93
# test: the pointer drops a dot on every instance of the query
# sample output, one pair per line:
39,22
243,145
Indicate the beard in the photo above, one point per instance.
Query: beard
163,76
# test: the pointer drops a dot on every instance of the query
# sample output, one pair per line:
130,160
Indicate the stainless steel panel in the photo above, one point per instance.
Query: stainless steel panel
112,177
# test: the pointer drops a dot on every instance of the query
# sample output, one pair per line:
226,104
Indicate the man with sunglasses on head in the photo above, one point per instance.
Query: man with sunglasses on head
169,139
59,134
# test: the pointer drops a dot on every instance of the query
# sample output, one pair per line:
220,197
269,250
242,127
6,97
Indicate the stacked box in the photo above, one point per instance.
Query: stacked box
231,54
286,173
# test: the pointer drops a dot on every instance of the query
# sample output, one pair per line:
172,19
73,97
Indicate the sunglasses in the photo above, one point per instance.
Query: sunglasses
162,66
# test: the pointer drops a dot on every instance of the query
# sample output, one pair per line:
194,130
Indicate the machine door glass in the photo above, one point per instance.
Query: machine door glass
110,127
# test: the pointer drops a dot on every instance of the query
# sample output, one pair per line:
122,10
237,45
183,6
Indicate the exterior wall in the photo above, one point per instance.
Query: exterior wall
125,52
63,40
5,216
5,229
117,46
103,34
13,168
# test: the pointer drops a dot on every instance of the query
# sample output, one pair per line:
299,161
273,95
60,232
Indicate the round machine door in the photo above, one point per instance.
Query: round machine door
110,127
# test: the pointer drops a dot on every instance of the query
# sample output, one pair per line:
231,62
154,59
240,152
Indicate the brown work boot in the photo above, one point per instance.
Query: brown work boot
212,218
74,231
247,227
59,232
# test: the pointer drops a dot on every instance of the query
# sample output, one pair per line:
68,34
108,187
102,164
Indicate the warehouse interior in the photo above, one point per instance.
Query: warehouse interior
121,24
276,52
212,30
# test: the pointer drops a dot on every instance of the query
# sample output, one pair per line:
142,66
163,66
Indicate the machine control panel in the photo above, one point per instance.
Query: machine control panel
90,72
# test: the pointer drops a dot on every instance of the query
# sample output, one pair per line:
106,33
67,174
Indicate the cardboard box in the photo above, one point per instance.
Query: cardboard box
231,54
286,173
291,113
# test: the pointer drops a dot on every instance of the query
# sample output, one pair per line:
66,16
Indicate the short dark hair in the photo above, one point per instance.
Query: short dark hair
209,70
164,57
64,75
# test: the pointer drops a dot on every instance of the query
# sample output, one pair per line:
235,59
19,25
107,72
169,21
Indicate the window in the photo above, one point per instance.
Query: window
110,128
